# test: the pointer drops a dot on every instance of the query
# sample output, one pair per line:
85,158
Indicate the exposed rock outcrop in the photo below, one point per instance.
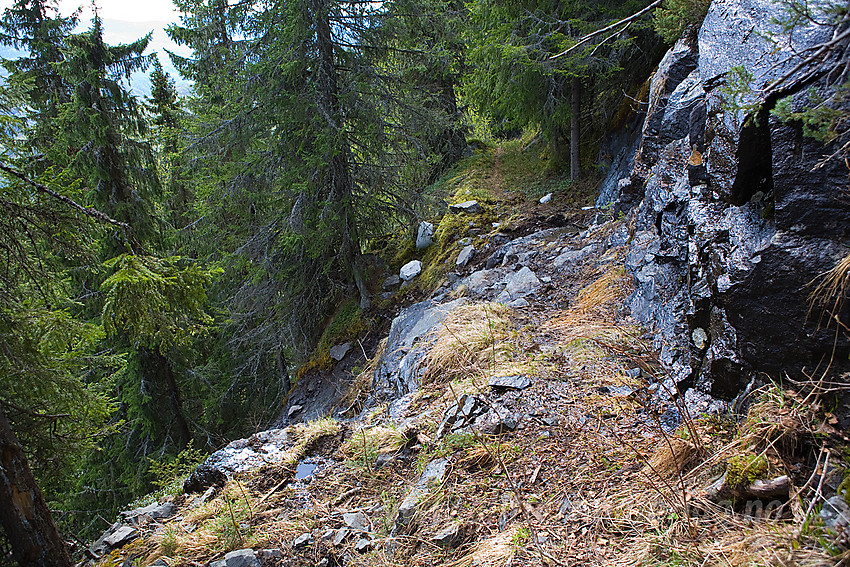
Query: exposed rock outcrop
731,220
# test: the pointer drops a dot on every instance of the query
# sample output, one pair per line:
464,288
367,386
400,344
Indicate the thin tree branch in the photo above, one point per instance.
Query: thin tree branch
88,211
590,36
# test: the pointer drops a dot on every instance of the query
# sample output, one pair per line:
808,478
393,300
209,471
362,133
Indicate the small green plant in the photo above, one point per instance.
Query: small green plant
169,543
170,474
520,538
822,118
742,470
450,444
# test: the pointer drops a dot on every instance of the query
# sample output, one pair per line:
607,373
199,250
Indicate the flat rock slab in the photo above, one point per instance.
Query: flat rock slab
340,536
303,540
518,382
410,270
238,558
356,521
398,371
465,256
470,207
431,476
391,282
156,511
338,352
121,536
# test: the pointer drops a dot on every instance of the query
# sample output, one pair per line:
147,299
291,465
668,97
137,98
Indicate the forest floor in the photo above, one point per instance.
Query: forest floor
601,467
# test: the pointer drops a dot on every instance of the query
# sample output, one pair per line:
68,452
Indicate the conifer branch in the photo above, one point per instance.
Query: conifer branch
88,211
606,29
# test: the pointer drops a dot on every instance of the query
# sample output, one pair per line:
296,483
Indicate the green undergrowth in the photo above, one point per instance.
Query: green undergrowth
346,324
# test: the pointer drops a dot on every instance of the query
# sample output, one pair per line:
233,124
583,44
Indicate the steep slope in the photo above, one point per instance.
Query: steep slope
576,386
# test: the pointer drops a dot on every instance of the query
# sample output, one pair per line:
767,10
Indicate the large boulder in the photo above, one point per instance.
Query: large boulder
732,220
263,448
399,369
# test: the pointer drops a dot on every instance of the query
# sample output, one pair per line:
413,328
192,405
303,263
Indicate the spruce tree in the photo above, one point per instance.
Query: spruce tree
36,28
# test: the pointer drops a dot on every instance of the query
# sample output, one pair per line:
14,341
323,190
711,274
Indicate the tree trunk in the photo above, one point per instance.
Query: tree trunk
575,131
340,179
24,515
158,369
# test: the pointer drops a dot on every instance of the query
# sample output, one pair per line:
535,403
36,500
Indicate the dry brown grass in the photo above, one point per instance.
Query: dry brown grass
831,291
495,551
672,457
367,443
467,342
361,385
598,346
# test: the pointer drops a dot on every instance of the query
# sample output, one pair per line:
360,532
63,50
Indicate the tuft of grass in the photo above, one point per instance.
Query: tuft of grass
831,291
466,342
672,457
366,444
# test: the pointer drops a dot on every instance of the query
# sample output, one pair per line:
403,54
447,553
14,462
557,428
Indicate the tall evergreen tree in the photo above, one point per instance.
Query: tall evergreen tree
36,28
101,130
316,149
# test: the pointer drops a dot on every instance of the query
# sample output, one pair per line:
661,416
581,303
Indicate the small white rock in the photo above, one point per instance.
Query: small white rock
465,255
410,270
546,198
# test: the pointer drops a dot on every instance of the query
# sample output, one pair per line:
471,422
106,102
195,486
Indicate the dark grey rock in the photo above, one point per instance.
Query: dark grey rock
155,511
462,414
518,382
469,207
398,370
449,536
431,477
241,558
363,545
269,554
391,282
664,121
121,536
835,512
496,421
204,477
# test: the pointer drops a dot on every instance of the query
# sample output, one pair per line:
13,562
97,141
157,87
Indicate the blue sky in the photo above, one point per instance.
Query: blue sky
128,20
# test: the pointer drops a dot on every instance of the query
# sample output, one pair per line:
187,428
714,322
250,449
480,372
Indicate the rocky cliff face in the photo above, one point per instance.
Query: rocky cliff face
729,220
